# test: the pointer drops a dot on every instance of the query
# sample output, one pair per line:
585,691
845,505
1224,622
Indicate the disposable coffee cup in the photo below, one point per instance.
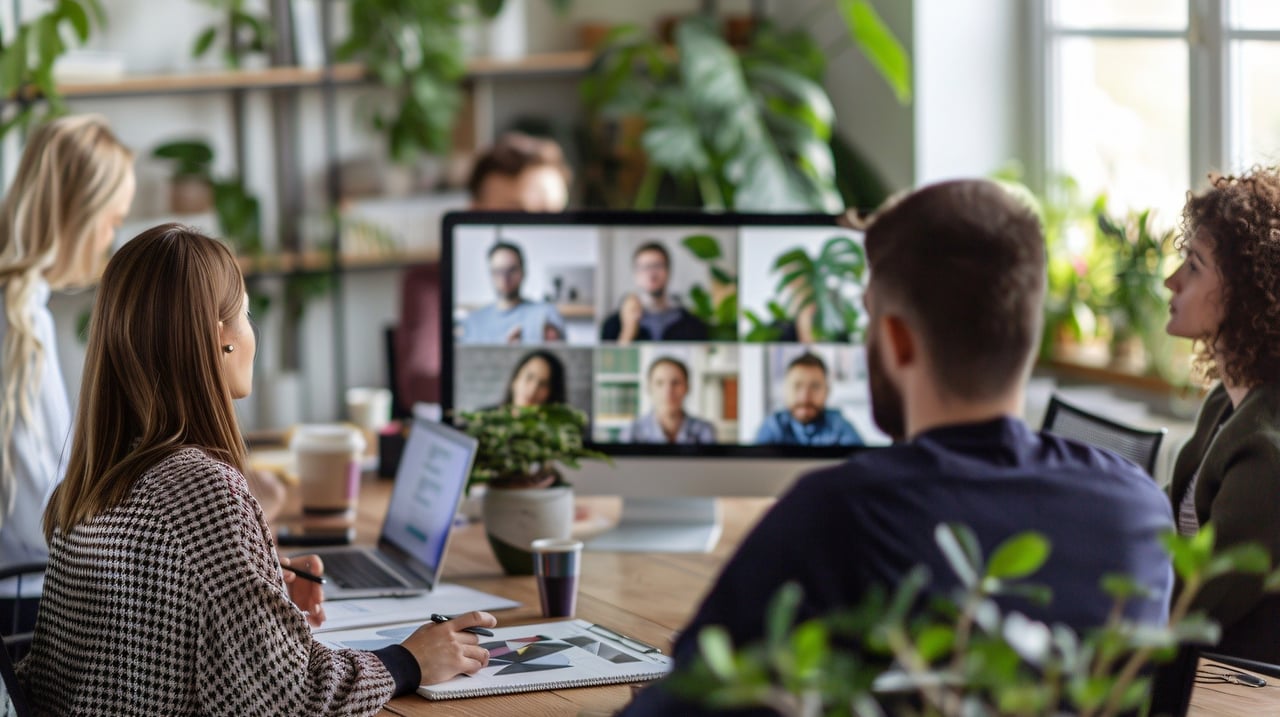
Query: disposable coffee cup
556,564
328,460
369,408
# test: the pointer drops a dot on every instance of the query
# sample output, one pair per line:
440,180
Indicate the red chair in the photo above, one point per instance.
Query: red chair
415,359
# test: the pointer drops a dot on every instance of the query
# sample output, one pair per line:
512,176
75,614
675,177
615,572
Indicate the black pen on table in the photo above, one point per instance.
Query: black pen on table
304,574
438,618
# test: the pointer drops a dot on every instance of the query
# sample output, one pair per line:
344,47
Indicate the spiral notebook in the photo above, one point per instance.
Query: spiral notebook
543,656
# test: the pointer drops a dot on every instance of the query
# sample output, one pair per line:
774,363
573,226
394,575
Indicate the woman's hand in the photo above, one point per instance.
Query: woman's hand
308,596
443,651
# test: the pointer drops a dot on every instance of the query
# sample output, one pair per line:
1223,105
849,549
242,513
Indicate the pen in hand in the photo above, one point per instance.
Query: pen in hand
304,574
438,618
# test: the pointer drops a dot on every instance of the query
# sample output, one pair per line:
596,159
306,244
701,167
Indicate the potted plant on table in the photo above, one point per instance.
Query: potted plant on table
520,457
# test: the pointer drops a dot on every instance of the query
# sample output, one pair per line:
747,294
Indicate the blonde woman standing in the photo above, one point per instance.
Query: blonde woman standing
71,192
154,536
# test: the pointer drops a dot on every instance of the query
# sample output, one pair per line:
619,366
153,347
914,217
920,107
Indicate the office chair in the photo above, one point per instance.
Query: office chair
13,700
1139,445
15,642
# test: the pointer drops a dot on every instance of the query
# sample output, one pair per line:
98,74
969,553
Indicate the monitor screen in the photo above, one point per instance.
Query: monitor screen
678,334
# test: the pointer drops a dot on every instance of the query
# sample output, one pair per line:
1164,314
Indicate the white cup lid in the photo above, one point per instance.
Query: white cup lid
328,437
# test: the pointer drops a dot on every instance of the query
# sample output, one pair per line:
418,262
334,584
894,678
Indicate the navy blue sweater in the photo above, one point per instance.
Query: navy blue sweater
869,520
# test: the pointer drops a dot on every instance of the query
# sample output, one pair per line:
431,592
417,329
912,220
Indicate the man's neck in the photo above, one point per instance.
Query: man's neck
930,408
655,303
509,303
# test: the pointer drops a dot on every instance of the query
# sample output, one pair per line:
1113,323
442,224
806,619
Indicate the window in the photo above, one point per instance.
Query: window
1144,97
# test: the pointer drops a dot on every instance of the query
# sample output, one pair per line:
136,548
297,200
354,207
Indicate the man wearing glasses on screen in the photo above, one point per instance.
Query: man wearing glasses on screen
806,421
511,319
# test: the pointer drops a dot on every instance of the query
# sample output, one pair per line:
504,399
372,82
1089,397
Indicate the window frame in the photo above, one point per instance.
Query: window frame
1215,123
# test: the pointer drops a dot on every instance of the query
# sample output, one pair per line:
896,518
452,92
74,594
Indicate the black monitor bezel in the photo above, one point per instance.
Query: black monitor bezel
626,218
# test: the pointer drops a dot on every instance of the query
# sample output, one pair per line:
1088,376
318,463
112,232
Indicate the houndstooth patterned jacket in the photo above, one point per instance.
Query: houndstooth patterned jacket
172,604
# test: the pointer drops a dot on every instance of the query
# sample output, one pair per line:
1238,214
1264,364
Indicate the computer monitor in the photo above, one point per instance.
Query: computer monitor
714,354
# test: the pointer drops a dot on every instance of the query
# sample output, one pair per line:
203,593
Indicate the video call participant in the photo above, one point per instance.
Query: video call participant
649,314
806,421
955,301
518,173
537,380
668,384
512,319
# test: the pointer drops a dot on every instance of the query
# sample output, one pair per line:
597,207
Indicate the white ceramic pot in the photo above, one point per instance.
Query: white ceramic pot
515,517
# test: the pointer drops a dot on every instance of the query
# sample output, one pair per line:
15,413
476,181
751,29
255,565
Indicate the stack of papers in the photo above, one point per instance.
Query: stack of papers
446,599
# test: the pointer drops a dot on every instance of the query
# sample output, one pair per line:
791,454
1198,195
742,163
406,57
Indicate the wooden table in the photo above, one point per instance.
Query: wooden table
648,596
1228,700
645,595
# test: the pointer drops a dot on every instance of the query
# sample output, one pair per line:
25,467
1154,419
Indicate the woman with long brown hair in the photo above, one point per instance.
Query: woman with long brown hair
72,189
1226,297
163,593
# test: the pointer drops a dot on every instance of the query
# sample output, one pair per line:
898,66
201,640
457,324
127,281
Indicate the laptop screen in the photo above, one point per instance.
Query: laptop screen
429,483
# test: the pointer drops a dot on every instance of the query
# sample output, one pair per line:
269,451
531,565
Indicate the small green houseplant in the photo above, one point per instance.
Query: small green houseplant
238,211
519,460
246,32
28,53
962,655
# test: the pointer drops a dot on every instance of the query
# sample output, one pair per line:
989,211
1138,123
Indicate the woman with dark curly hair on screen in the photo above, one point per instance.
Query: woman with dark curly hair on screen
1226,298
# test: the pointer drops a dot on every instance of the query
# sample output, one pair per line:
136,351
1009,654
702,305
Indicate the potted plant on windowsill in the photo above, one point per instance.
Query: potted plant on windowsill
521,454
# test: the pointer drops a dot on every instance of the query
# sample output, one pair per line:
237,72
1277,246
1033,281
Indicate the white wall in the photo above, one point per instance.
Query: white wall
970,114
868,114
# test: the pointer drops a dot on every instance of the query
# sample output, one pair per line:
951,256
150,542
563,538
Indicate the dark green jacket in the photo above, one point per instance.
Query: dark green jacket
1239,491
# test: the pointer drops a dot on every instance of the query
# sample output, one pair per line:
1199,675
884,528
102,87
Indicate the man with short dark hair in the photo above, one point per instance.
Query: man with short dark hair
806,421
518,173
954,301
511,319
649,314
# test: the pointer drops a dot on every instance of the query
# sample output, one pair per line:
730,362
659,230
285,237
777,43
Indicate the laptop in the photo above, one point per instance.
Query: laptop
409,557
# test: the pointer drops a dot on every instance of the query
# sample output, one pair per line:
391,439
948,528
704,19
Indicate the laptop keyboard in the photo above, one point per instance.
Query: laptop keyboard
358,570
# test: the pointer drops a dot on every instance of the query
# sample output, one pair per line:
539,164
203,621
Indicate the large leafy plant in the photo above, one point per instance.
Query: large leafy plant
520,447
963,655
27,56
815,286
717,308
414,48
745,130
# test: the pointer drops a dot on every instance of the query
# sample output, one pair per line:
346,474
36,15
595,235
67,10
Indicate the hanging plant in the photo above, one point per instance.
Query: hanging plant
27,59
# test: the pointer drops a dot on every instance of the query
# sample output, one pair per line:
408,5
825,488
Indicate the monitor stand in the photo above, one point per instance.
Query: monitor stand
663,525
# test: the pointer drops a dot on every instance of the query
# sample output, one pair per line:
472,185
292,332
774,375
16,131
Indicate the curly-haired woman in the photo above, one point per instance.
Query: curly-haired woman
1226,297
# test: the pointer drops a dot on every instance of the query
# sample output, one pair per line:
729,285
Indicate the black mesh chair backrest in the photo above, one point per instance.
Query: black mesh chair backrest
1139,445
12,699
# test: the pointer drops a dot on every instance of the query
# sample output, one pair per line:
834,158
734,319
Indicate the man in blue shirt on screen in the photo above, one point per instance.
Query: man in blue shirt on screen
512,319
806,421
955,303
